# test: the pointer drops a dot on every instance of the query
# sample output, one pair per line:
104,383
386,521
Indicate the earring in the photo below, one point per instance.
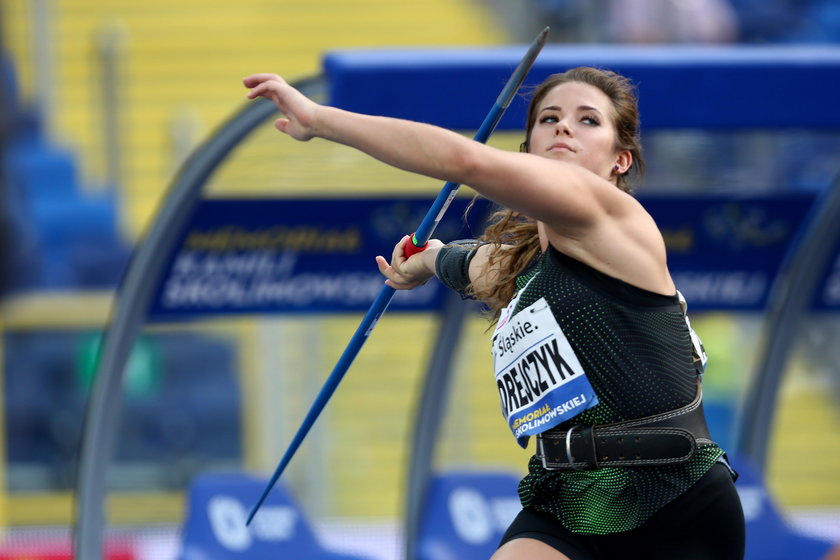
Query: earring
616,167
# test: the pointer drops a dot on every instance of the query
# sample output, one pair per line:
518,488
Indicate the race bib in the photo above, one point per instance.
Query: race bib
540,379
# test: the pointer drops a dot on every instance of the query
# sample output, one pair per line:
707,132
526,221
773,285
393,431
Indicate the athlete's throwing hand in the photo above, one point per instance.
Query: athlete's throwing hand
408,273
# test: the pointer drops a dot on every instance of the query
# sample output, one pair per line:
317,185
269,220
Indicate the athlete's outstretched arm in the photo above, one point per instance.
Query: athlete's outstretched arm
524,182
412,146
585,215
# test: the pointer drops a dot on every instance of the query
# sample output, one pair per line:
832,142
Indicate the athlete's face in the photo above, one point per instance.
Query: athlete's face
575,123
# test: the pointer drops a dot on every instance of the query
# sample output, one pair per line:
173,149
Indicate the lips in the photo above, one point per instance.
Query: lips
560,147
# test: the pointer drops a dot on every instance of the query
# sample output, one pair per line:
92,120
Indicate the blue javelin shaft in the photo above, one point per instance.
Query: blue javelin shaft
441,204
380,304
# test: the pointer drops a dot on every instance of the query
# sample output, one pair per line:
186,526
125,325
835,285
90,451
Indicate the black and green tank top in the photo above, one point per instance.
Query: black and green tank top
636,349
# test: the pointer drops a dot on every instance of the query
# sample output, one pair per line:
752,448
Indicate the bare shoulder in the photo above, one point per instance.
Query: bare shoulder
623,242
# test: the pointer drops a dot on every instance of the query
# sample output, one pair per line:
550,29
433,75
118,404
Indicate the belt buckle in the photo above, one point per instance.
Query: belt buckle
544,456
569,457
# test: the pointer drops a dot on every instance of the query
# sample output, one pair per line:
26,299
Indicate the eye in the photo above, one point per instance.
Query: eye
550,119
590,120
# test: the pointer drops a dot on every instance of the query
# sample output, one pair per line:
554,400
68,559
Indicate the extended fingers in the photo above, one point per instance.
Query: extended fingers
389,271
263,89
264,85
254,79
392,276
384,267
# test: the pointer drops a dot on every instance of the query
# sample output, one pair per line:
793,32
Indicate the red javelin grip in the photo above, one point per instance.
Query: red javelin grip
412,249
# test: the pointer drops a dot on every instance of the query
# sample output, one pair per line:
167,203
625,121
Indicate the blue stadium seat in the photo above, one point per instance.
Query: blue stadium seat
61,236
182,413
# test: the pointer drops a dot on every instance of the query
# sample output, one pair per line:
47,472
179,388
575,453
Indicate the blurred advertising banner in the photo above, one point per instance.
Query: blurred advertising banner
242,256
724,252
297,255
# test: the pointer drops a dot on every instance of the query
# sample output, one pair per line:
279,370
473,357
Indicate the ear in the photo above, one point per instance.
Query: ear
623,161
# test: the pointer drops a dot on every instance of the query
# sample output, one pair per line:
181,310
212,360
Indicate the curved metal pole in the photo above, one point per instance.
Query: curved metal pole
380,304
790,298
131,303
431,408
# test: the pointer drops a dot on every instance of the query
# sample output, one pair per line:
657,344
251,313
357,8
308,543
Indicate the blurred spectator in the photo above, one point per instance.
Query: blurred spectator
685,21
788,21
820,24
672,21
768,21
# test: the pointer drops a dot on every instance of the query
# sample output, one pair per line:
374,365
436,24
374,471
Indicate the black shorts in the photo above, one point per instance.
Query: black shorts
704,523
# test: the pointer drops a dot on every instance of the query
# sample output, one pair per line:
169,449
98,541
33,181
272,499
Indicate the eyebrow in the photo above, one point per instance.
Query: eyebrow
580,108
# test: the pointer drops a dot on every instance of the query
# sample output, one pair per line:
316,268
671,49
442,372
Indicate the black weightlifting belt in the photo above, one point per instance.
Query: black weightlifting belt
669,438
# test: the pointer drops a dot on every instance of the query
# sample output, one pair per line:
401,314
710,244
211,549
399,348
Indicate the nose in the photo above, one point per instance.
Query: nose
562,128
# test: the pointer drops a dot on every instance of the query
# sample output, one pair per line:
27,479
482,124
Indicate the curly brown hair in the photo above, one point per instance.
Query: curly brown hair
508,227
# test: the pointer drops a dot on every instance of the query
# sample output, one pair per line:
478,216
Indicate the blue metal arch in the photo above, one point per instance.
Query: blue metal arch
128,315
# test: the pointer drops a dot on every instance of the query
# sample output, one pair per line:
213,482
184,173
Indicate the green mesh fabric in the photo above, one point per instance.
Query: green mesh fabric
635,348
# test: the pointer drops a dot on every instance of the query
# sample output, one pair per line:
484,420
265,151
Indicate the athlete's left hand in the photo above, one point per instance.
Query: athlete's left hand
299,120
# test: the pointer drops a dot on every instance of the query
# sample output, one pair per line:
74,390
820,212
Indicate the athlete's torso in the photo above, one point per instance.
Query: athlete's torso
635,347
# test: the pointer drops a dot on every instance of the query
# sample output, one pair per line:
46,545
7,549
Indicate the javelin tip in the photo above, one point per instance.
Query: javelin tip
543,35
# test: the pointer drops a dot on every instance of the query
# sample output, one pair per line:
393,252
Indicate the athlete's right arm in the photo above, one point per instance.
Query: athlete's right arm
407,273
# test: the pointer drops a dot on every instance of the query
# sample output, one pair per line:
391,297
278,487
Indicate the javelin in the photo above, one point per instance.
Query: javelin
418,242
